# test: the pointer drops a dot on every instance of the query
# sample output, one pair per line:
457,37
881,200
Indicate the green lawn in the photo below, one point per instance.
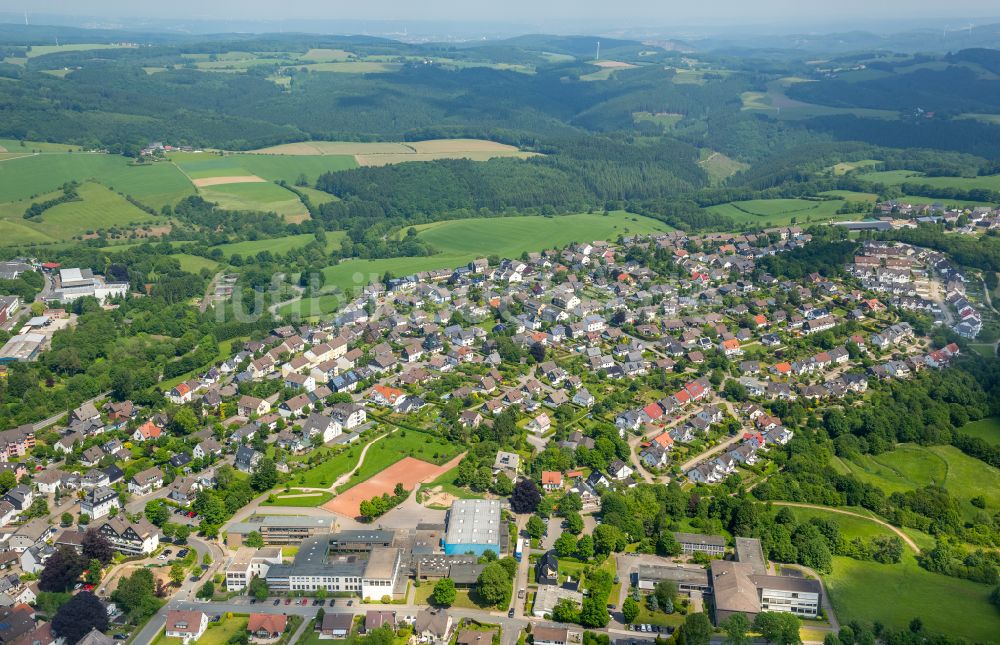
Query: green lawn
779,212
388,451
986,429
324,473
217,633
14,145
896,177
303,498
422,594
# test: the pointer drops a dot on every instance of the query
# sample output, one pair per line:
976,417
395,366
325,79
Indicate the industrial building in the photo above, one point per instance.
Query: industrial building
474,526
81,283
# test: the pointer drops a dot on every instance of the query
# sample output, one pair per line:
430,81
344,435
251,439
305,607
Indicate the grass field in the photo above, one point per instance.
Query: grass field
985,118
778,212
459,241
217,633
718,166
15,145
42,50
986,429
275,245
858,589
911,466
323,474
274,167
195,263
401,444
896,177
850,195
263,196
666,119
152,184
98,208
382,153
301,498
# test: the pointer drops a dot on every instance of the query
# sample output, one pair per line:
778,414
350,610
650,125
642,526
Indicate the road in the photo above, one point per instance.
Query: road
41,425
903,536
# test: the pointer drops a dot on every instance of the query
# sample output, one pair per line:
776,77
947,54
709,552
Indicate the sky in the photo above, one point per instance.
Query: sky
619,12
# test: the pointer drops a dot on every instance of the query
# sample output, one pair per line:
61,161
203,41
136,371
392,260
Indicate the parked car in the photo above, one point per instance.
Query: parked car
288,601
277,601
510,613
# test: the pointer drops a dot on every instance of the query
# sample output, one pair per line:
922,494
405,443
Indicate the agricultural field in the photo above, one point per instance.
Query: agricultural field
98,208
14,145
195,263
850,195
780,212
459,241
985,118
152,184
946,604
275,245
273,166
258,196
986,429
384,153
896,177
42,50
910,466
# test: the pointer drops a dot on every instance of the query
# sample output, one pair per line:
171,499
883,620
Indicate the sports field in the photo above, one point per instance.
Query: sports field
986,429
408,471
781,212
399,445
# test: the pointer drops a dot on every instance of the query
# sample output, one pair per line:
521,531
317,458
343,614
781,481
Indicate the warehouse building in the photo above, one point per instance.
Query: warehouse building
474,526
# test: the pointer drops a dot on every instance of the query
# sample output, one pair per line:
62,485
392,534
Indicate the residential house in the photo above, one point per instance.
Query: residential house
99,502
146,481
247,459
188,626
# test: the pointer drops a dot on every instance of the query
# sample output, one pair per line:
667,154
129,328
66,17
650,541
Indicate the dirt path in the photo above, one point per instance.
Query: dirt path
903,536
347,476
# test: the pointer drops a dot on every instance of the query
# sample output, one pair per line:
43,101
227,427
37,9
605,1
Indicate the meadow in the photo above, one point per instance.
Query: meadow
896,177
263,196
97,208
152,184
781,212
718,166
986,429
858,589
274,167
910,466
275,245
195,263
463,240
383,153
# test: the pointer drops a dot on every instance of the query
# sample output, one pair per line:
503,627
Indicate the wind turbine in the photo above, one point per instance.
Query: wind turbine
971,27
598,57
25,17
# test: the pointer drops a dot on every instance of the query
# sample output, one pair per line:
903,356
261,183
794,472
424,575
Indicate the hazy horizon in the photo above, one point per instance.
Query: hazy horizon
639,14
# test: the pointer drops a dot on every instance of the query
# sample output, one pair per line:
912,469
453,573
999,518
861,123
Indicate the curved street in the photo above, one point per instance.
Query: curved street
903,536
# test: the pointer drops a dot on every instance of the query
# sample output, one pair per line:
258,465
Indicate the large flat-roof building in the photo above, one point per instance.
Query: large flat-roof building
688,578
318,565
279,529
697,543
79,283
474,526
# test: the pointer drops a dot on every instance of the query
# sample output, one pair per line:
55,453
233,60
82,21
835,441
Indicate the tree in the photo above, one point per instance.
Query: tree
565,545
177,573
62,570
66,519
630,610
444,592
585,548
493,585
265,477
96,547
535,527
608,538
565,611
207,590
258,588
503,486
8,480
736,628
665,592
574,523
537,352
254,540
82,613
778,627
136,595
594,612
697,629
156,512
526,497
667,544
